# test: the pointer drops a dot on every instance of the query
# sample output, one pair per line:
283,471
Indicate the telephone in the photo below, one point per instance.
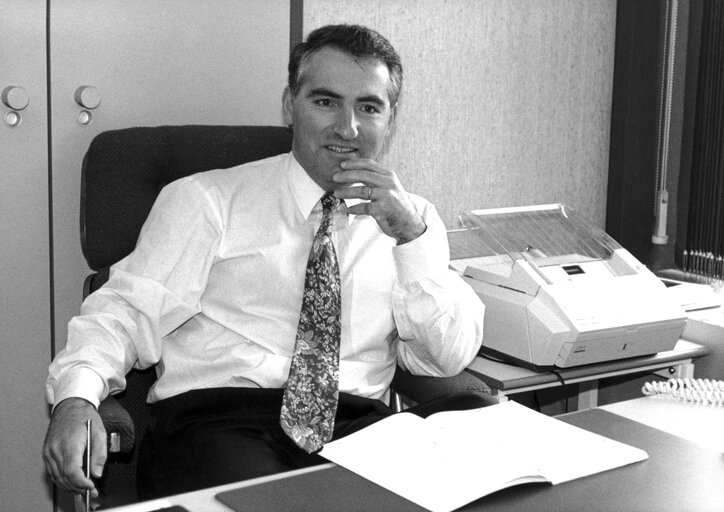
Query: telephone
704,391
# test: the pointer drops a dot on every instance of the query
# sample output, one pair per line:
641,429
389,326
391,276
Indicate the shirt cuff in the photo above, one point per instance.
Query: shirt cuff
80,382
421,258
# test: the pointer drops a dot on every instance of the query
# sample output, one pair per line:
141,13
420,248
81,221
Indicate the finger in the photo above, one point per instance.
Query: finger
99,452
69,476
362,209
364,192
95,501
361,176
362,164
51,467
74,476
58,458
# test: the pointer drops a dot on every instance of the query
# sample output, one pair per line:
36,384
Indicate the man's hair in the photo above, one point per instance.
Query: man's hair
355,40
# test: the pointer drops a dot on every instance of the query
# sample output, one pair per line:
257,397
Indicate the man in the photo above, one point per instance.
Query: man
213,291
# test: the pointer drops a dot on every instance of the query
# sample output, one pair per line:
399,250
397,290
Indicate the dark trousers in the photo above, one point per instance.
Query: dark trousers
210,437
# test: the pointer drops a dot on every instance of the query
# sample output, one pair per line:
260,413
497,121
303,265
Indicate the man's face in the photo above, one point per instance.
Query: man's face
341,111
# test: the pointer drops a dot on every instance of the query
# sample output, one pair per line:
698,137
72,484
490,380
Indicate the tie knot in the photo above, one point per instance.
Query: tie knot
329,203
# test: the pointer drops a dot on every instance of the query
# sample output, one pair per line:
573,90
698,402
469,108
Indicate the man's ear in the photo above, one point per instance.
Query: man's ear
287,106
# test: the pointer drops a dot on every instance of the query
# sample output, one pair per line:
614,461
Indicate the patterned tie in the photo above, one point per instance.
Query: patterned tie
310,398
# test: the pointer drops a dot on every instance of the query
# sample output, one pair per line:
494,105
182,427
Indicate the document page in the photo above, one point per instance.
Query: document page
452,458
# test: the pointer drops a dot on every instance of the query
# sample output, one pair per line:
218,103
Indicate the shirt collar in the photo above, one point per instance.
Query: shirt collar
305,191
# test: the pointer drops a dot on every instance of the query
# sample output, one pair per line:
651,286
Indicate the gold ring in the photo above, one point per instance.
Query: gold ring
369,193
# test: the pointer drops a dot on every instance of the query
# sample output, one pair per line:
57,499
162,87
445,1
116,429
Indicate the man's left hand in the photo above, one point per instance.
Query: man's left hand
384,198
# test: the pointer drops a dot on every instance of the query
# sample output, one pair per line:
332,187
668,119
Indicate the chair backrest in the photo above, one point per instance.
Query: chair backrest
123,172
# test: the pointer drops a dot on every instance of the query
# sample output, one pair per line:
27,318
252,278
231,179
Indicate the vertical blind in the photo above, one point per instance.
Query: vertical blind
704,249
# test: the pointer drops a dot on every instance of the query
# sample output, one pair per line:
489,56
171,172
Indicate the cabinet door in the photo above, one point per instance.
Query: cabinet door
25,340
150,63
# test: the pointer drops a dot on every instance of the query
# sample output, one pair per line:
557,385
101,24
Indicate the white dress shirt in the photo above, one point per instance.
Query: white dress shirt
213,291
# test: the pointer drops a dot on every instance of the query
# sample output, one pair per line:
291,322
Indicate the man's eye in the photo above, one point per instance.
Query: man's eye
370,109
324,102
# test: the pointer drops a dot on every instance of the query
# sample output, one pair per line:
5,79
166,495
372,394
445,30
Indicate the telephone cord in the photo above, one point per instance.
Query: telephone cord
703,391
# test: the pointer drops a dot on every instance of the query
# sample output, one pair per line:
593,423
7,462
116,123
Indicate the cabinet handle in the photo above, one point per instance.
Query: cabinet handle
15,97
87,96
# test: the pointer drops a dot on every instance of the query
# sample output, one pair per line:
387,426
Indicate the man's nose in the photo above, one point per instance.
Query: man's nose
346,124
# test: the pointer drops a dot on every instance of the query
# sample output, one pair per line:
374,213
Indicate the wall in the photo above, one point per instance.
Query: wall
505,102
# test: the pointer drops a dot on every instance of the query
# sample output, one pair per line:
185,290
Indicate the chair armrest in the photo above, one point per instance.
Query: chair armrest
119,426
421,389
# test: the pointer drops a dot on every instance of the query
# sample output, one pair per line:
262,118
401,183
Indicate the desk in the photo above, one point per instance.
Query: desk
505,379
700,424
679,475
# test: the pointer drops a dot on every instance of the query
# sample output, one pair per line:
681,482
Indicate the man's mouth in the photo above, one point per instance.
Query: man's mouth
341,150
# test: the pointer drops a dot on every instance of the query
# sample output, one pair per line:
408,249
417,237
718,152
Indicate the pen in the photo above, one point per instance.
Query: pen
87,462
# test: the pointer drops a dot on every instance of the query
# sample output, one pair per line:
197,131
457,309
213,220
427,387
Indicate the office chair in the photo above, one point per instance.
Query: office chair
123,172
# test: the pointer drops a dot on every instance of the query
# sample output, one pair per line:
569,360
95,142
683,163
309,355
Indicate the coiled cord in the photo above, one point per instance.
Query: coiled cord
702,391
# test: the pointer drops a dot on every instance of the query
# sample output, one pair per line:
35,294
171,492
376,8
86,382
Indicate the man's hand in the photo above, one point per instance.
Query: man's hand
387,201
65,444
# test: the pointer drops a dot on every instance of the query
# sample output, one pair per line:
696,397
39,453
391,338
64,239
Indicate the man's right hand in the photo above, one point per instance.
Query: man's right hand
65,445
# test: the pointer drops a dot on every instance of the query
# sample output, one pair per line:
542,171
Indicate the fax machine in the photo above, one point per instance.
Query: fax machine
559,292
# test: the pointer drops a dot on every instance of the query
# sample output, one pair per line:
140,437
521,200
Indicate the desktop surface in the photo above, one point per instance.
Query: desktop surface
679,475
698,422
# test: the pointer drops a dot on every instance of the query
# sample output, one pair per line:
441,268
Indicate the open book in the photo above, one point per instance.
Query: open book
452,458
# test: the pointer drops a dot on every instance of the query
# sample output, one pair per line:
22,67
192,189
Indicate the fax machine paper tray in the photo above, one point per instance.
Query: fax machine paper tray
559,292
